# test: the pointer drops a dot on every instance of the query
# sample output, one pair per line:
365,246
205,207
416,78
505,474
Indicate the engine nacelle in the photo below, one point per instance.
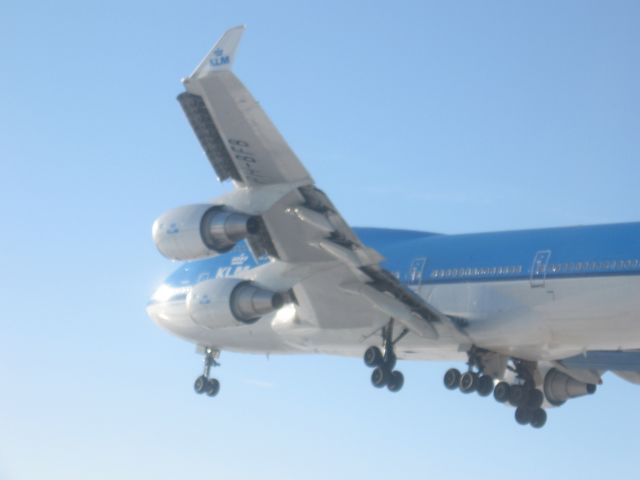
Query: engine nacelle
198,231
228,302
559,387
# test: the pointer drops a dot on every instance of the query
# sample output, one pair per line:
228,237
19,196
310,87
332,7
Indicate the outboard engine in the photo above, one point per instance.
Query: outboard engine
228,302
559,387
198,231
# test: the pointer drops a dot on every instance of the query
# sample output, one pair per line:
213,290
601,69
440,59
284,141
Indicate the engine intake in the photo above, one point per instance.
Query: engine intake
197,231
559,387
226,302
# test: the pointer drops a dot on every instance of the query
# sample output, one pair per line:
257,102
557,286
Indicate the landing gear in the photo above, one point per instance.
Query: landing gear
373,357
396,381
452,378
469,382
523,415
205,384
379,377
538,418
473,380
502,392
485,385
384,363
522,394
518,396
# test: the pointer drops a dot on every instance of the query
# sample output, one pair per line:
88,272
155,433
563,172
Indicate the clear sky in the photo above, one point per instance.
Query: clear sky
446,116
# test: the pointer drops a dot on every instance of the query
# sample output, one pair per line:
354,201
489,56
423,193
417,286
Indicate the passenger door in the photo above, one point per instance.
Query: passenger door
539,268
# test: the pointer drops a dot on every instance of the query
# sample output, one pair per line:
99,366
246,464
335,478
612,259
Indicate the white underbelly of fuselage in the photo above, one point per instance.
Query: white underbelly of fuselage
561,318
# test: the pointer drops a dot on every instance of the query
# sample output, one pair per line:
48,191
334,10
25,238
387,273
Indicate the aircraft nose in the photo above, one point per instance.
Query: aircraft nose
167,308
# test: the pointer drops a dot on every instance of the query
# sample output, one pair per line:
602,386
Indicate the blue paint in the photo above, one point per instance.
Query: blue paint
582,251
599,360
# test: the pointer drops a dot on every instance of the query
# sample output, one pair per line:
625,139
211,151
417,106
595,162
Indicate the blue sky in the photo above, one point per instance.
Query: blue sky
449,116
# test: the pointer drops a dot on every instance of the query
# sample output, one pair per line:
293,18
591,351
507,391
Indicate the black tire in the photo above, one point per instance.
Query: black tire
523,415
373,357
485,385
538,418
501,392
536,397
452,378
200,385
518,396
396,381
469,382
379,377
213,387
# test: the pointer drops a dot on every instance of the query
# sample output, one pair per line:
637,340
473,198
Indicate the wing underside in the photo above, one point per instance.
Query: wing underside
302,225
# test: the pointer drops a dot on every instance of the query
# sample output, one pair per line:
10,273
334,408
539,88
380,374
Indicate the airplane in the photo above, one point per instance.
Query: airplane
538,316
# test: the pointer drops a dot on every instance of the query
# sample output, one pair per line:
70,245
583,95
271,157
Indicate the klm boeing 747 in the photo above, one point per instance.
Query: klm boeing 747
538,316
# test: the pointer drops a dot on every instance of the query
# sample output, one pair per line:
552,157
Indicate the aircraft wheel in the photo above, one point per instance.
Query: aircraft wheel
469,382
536,397
396,381
485,385
379,377
538,418
200,385
501,392
523,415
518,396
372,357
213,387
452,378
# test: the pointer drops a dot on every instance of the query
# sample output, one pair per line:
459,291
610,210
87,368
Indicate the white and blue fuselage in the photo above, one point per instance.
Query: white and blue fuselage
536,294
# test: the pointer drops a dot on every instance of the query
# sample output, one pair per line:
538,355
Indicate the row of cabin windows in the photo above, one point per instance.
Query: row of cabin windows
553,268
592,266
476,272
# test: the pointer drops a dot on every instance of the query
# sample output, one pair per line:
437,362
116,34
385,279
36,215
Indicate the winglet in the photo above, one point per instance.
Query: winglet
222,55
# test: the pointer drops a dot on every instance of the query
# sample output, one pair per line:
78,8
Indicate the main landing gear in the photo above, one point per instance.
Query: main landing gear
473,380
383,361
204,383
523,395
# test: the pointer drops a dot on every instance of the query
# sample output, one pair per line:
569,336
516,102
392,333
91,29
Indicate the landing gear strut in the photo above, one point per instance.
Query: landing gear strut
383,361
204,383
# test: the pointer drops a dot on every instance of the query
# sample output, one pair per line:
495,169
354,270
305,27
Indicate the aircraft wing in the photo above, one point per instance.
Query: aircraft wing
299,223
625,364
237,136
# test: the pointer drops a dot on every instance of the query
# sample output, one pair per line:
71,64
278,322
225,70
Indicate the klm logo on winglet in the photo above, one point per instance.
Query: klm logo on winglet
219,58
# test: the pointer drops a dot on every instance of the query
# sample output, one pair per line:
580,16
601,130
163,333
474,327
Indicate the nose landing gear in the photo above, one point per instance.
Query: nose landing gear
204,383
383,364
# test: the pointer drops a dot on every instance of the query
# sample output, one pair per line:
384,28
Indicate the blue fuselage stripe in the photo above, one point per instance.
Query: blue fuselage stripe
427,258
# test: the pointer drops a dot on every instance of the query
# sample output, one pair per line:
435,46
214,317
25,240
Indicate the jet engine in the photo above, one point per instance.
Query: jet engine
228,302
559,387
197,231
